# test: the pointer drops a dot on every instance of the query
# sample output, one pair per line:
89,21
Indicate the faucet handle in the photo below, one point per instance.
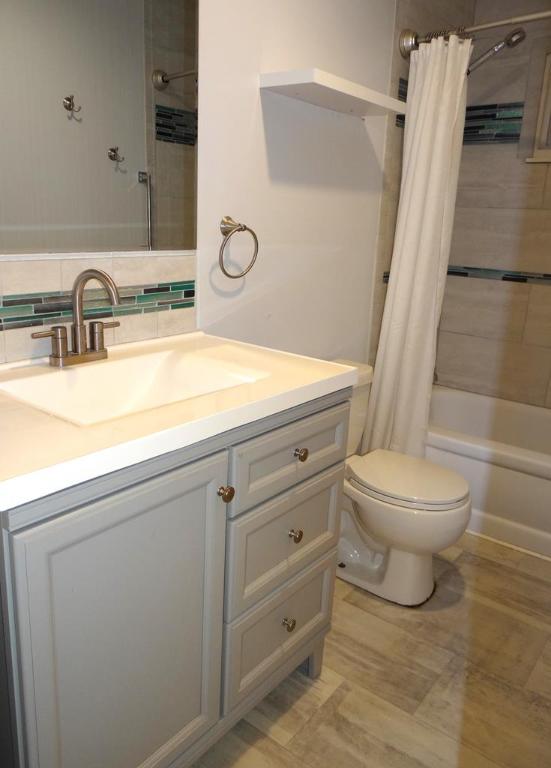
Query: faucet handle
97,327
58,334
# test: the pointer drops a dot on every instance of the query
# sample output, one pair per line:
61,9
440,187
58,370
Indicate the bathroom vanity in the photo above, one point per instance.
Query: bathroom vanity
148,608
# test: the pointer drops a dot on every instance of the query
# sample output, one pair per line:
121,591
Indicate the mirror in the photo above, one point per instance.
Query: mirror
88,130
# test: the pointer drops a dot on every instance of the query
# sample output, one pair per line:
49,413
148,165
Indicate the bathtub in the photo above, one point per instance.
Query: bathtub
503,449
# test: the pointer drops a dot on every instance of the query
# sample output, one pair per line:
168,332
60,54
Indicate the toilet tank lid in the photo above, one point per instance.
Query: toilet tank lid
365,371
407,478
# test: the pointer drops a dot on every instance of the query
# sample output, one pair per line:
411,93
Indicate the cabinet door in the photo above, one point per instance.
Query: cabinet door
119,609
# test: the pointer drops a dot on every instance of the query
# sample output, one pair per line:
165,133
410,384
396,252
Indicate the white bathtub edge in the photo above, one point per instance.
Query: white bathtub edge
500,454
533,540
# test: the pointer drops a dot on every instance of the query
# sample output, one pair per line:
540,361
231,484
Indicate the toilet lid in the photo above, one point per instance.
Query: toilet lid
407,478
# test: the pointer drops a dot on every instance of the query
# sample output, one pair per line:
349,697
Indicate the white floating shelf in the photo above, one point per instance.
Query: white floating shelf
326,90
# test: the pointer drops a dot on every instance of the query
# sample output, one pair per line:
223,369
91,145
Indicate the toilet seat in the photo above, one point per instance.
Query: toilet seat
406,481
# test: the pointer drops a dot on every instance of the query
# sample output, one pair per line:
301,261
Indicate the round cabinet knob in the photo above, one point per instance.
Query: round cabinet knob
296,535
226,493
289,624
301,453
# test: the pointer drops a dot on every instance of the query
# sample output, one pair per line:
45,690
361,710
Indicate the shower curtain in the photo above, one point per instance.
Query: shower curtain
400,395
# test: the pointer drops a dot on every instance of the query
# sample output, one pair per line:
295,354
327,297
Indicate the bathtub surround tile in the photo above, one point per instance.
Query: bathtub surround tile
382,657
490,308
538,321
491,639
503,238
494,177
492,367
508,725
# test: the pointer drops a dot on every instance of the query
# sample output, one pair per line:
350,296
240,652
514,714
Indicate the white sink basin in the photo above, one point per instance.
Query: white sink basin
94,392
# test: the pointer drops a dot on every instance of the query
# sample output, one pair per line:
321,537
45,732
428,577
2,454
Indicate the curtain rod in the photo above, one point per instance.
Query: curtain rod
410,40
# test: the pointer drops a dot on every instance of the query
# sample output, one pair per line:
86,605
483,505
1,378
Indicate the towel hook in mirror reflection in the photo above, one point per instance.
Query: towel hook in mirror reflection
69,104
228,227
113,154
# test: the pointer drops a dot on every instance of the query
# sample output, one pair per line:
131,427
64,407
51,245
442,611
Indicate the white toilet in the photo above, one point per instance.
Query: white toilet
397,512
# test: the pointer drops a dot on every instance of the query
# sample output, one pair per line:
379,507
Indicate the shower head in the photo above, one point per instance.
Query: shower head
513,38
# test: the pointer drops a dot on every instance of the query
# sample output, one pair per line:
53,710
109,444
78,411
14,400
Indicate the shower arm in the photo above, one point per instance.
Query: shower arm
410,40
161,79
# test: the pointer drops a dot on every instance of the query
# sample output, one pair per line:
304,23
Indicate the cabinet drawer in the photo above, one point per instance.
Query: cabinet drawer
262,553
269,464
258,642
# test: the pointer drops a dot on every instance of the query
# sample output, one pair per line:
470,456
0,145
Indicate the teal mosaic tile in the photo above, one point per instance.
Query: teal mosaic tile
34,309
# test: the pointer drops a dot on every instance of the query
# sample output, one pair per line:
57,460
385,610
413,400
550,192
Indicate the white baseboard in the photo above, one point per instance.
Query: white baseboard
509,532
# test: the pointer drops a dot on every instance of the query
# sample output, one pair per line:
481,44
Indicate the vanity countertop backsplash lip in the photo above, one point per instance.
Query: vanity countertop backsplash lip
48,454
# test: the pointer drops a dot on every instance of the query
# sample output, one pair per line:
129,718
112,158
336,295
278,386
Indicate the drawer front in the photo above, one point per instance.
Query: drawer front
258,642
266,465
262,553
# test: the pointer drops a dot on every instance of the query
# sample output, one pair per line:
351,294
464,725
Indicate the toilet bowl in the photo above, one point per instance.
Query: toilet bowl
397,512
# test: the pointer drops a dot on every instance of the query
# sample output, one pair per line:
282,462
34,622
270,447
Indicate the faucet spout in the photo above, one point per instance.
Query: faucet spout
79,330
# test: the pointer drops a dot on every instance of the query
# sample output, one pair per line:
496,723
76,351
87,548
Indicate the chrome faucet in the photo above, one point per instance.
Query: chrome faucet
82,351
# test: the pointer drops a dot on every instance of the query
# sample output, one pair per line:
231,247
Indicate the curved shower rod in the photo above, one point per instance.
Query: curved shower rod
410,40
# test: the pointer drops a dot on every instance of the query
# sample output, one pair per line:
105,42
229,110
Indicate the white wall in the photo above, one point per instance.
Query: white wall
307,180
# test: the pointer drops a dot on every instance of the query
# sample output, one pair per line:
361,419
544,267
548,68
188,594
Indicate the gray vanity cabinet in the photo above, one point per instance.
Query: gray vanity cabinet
119,607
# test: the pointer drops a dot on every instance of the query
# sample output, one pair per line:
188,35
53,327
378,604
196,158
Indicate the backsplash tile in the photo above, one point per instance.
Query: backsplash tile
47,308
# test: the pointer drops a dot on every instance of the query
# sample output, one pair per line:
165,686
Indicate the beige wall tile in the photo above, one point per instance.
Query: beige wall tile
141,270
3,346
502,238
538,321
498,368
27,275
176,321
172,268
70,268
548,397
20,346
491,308
136,327
547,190
494,177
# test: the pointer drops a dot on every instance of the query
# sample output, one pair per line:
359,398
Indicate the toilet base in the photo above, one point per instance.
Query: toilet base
401,577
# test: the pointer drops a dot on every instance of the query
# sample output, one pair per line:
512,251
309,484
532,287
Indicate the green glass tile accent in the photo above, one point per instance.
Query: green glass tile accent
150,298
134,302
20,309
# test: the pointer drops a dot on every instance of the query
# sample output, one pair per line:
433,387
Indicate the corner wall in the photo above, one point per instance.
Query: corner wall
307,180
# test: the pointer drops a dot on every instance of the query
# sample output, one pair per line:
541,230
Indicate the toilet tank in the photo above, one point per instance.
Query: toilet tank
358,409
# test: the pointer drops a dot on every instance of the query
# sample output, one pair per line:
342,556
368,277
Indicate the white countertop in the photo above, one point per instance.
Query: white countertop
43,454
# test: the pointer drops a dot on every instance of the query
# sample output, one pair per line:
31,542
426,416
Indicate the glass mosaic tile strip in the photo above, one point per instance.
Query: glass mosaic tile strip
484,123
177,126
27,310
508,275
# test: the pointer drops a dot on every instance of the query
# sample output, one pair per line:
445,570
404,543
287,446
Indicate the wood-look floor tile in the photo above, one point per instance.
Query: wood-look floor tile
382,657
506,588
291,705
245,747
540,679
509,725
486,636
342,588
530,565
356,729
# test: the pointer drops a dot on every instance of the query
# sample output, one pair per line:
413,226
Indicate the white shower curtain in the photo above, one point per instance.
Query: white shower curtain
400,395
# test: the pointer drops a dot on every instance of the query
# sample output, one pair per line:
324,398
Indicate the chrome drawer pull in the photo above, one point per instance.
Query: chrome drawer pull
301,453
297,535
289,624
226,493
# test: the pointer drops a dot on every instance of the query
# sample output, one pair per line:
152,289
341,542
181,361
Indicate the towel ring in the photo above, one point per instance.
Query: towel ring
228,227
